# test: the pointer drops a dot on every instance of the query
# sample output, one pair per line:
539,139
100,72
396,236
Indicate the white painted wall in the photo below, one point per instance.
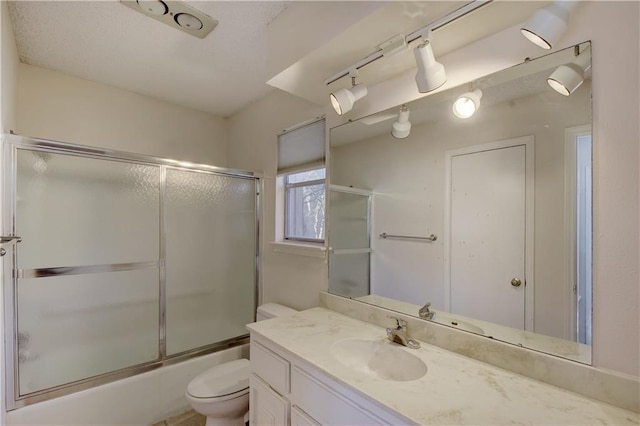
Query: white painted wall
8,83
9,69
408,180
290,279
613,29
58,106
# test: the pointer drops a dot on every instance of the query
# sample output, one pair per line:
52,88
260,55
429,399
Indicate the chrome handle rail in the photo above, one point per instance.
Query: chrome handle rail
9,241
86,269
431,237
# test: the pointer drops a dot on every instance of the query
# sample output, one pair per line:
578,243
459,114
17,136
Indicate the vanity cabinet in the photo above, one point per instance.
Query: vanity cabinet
285,390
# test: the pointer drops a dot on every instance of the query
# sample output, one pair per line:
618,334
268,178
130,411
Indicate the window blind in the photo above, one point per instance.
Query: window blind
301,148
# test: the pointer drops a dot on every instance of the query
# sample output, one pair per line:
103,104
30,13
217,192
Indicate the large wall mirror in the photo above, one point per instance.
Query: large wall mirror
486,218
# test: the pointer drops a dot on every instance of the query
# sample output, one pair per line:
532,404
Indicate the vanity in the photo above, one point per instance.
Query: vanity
321,367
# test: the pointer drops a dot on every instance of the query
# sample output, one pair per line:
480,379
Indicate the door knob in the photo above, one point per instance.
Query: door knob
516,282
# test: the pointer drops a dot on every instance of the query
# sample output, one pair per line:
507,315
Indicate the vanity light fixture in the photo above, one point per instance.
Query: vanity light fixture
402,126
467,104
547,24
342,100
431,74
568,77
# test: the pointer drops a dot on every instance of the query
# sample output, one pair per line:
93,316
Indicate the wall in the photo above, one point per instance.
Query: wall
613,28
294,280
8,82
9,70
408,180
57,106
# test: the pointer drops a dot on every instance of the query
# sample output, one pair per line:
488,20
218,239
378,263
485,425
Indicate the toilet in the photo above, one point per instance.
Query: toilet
222,392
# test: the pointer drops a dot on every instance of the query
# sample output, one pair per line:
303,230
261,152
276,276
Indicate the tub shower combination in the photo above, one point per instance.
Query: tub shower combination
125,263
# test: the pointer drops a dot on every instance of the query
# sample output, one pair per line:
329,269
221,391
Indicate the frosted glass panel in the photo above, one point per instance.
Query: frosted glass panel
349,215
349,274
74,327
75,211
210,258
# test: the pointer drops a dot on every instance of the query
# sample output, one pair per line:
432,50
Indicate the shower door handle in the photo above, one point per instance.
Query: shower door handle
8,241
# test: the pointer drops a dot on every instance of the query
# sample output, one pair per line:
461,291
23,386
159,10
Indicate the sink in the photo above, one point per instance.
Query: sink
380,359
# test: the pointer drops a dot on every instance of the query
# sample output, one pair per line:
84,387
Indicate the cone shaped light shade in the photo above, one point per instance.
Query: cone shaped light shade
431,74
547,25
342,100
568,77
402,126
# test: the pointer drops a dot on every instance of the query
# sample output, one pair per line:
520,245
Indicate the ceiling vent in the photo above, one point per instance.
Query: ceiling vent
176,14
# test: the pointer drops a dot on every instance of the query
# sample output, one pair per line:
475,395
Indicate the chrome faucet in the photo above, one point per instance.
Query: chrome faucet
425,313
399,334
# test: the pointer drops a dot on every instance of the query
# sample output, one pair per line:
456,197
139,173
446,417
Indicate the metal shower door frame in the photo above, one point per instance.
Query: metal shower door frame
10,145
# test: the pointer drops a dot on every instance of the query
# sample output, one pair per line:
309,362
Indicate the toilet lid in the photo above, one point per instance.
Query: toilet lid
221,380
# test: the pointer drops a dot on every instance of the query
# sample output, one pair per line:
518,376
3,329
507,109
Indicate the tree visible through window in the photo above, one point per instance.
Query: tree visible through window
304,205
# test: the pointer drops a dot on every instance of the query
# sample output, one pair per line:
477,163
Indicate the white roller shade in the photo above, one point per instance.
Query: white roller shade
301,148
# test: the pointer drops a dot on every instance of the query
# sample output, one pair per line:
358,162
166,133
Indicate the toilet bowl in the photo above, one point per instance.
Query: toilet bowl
222,392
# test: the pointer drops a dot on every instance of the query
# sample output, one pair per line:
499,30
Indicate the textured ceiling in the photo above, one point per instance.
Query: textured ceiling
108,42
105,41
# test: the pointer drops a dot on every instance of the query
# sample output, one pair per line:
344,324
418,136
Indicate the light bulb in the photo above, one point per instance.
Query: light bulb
467,104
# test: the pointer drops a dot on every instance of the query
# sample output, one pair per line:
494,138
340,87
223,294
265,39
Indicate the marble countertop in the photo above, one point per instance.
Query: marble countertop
455,390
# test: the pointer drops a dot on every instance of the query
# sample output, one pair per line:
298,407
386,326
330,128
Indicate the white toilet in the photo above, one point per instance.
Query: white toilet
222,392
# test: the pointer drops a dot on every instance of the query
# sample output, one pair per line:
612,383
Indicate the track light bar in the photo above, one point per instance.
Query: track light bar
437,24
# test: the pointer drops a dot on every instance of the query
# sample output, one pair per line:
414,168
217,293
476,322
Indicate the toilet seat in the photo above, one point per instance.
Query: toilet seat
222,382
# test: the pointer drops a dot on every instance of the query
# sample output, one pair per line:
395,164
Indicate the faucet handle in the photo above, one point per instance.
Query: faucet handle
400,323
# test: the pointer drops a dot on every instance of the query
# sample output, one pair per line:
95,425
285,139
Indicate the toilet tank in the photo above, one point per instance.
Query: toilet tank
272,310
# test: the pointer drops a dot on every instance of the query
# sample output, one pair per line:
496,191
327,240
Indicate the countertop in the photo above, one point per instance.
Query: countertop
539,342
455,390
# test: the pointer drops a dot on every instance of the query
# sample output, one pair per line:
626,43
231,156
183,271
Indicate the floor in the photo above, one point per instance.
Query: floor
188,418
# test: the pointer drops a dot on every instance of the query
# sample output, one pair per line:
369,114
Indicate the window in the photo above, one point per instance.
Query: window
301,173
304,205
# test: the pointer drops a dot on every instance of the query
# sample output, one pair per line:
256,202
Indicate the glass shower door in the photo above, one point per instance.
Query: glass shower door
87,267
349,241
210,256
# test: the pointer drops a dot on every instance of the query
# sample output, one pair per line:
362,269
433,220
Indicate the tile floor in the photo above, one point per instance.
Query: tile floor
188,418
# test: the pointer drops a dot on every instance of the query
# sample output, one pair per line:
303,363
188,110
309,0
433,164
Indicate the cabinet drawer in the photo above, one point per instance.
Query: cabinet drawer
265,406
325,405
300,418
271,367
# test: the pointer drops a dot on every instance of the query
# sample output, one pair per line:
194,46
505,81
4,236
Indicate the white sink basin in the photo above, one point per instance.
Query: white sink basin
385,360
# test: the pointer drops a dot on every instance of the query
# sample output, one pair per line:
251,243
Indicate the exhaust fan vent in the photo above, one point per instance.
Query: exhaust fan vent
176,14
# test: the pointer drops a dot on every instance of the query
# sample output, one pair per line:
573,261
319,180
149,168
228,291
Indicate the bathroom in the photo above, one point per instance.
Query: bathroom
40,102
